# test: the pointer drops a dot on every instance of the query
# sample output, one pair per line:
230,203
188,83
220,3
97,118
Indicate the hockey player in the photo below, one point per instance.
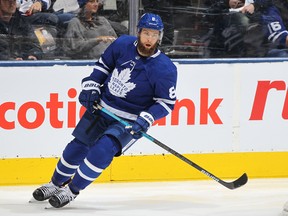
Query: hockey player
136,82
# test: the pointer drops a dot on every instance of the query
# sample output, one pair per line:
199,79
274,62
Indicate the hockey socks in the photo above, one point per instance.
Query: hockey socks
99,157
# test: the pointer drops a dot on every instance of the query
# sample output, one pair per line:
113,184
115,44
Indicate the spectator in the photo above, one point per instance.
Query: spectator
44,23
35,11
66,12
226,38
88,34
275,34
17,40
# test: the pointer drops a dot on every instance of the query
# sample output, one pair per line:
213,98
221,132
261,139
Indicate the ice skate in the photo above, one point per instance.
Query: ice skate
62,197
45,191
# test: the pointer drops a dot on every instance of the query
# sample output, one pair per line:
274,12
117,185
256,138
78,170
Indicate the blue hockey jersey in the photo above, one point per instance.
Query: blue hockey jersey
274,27
132,83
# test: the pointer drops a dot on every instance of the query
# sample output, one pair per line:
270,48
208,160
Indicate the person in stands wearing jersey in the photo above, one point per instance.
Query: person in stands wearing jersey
133,80
274,30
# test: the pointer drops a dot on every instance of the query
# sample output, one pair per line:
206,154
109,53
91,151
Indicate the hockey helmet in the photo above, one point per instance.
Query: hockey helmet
151,21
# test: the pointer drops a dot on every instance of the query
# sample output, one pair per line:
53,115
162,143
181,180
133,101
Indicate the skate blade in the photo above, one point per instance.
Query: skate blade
34,201
49,206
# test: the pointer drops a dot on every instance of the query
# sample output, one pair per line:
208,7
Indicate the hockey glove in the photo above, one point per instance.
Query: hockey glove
141,124
90,94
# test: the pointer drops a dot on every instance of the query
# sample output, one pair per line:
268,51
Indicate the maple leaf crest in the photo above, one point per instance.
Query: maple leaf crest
119,85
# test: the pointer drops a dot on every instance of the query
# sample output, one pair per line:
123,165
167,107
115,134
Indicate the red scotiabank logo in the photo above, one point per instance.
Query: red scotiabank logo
53,106
207,109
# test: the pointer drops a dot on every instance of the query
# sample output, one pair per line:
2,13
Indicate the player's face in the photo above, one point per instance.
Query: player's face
148,41
7,7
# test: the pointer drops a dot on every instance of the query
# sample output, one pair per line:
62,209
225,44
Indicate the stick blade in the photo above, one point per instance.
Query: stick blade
242,180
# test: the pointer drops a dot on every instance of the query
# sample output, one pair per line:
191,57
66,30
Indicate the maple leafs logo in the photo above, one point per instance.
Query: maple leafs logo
119,85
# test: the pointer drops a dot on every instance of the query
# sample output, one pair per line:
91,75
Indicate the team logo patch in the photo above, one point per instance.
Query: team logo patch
119,84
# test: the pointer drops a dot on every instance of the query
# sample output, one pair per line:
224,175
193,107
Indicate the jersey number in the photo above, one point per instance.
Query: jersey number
275,26
172,92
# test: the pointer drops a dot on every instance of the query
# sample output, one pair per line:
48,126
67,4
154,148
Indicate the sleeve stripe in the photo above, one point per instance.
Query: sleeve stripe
102,70
165,106
164,100
101,62
278,35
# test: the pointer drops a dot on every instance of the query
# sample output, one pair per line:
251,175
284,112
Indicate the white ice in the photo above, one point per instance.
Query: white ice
259,197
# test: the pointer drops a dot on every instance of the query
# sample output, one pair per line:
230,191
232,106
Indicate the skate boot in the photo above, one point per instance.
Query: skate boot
62,197
45,191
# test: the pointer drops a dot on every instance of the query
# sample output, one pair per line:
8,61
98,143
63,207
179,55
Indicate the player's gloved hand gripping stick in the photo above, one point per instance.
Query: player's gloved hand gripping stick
89,94
139,126
242,180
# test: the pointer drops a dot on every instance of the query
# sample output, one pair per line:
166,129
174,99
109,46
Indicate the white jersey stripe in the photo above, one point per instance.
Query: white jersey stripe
165,100
278,35
118,112
92,167
156,54
101,62
165,106
103,70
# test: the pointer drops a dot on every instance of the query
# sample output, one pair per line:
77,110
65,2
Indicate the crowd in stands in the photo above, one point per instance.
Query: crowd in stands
39,29
17,38
33,30
251,28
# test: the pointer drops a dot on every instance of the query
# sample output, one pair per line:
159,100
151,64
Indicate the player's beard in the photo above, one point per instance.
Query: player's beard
146,51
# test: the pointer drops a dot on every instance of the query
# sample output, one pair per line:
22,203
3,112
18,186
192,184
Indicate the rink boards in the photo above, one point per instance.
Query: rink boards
231,117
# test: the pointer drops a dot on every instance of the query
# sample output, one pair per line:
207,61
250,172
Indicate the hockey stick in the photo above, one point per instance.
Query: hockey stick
242,180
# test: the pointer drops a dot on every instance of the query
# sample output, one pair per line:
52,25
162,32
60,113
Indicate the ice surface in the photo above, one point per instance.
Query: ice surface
259,197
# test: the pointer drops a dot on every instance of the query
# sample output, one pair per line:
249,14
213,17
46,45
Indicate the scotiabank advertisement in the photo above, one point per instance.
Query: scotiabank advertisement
240,107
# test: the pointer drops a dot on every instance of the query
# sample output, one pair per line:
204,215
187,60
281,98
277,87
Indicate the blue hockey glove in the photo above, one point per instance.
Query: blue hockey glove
141,124
90,94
